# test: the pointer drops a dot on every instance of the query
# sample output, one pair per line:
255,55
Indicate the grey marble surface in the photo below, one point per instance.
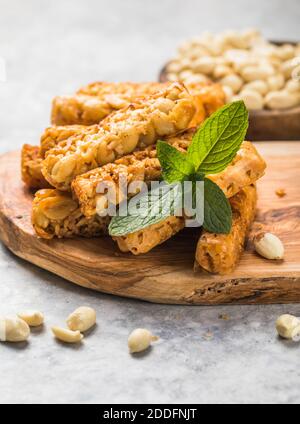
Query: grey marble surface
52,48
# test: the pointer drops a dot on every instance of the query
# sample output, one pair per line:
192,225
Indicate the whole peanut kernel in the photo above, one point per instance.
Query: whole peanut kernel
82,319
140,339
13,330
288,326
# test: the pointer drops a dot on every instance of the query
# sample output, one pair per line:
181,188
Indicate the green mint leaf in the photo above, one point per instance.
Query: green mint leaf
217,209
175,166
217,141
146,209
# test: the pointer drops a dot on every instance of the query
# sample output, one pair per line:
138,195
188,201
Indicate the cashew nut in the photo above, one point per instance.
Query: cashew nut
172,77
257,85
233,81
221,71
67,336
275,82
293,86
228,93
204,65
196,78
288,66
174,66
140,339
281,99
245,62
13,330
185,74
285,52
251,73
82,319
253,99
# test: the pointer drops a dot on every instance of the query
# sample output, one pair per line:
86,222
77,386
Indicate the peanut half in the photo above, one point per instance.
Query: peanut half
82,319
67,336
33,318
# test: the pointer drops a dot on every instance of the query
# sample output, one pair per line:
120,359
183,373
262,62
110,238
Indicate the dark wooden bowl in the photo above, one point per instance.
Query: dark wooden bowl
280,124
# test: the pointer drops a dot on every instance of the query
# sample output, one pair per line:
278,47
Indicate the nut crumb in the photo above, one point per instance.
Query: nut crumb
208,335
224,316
280,192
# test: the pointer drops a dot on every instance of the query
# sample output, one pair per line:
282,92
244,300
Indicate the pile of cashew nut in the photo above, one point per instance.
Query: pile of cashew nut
249,67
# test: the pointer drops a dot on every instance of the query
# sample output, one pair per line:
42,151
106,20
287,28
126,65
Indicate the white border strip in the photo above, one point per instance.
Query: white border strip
2,70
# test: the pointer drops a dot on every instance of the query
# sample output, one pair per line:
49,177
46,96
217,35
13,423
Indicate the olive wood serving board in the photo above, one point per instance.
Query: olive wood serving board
166,275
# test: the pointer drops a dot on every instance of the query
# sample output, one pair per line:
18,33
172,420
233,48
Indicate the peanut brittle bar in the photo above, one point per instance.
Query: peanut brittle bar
163,114
208,96
94,102
32,156
79,109
56,214
220,253
144,165
143,241
31,167
141,165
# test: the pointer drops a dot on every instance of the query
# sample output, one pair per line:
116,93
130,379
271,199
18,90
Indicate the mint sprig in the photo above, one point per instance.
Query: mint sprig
175,165
212,149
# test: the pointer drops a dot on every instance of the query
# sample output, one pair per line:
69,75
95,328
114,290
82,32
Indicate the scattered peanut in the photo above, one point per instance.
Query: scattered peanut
33,318
82,319
67,336
13,330
242,61
140,339
269,246
288,326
